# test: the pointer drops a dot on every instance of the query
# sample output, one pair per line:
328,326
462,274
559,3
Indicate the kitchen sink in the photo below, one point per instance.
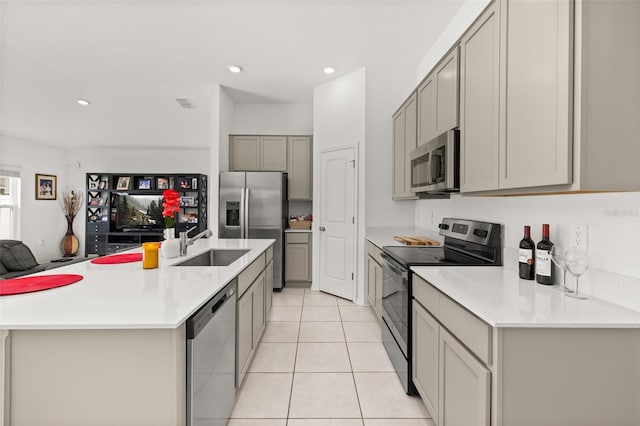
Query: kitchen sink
214,257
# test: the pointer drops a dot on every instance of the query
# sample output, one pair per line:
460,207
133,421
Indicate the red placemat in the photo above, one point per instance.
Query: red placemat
118,258
42,282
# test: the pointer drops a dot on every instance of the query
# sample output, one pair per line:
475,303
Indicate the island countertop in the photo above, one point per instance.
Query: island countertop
126,296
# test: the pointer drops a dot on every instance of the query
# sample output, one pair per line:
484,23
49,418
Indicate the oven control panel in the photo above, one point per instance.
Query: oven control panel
469,230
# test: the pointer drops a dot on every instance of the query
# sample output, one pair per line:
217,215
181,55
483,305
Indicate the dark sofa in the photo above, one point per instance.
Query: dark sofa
16,260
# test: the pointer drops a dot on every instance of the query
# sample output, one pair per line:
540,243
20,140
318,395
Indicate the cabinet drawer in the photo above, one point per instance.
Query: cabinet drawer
426,295
298,237
96,238
469,329
269,255
248,276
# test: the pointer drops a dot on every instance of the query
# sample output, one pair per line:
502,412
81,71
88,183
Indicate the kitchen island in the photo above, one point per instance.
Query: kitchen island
109,349
492,349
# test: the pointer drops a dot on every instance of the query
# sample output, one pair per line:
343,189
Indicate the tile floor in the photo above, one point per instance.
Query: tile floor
321,363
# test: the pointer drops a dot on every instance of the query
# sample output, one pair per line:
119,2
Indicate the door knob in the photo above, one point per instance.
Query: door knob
322,228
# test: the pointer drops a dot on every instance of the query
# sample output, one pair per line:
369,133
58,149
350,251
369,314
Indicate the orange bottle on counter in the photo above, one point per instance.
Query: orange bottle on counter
150,255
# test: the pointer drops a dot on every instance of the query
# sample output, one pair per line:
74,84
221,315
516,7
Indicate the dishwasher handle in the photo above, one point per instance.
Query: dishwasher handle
206,313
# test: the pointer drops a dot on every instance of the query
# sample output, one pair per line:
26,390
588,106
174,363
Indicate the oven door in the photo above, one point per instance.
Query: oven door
395,301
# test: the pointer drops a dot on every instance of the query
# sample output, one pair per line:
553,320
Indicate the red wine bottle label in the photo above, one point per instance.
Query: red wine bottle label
525,256
543,263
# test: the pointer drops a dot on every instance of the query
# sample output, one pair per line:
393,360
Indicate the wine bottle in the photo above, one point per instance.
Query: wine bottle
526,260
544,271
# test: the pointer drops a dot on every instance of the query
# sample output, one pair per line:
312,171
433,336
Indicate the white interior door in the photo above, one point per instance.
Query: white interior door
337,222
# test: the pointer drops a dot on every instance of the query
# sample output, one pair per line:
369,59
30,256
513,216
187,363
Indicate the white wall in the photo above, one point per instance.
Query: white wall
339,114
227,113
273,119
42,222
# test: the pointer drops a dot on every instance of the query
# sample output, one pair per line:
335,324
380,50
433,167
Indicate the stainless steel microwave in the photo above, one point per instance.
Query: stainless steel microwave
435,166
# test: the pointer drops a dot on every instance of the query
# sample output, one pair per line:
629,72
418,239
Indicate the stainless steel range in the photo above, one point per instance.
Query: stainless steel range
466,243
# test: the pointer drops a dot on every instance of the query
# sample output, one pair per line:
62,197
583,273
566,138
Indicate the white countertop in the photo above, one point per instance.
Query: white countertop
383,235
500,298
125,295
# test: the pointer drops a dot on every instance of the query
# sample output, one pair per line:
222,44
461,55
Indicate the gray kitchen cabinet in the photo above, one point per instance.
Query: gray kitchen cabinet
300,167
536,87
268,284
258,153
438,99
298,257
404,141
374,278
426,353
251,311
465,385
479,102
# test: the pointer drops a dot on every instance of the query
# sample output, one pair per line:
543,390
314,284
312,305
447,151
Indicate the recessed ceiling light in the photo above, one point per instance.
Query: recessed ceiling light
83,102
329,70
235,68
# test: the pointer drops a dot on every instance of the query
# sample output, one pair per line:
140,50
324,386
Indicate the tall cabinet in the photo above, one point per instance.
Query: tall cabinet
125,210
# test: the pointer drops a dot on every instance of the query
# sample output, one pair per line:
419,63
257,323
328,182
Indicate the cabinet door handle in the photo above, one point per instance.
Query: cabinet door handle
322,228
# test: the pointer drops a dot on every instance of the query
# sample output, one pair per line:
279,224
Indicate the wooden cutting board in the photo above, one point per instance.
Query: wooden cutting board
416,241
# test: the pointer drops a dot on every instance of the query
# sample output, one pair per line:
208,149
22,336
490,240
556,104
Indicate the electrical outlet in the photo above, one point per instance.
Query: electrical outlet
580,236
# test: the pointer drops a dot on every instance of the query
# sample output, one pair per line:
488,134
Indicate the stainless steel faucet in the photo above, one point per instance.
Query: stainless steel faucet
184,242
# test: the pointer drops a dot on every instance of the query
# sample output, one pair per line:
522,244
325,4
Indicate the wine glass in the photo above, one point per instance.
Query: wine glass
558,254
577,262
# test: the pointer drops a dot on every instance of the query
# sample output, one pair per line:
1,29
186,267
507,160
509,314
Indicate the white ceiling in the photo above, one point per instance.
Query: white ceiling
133,58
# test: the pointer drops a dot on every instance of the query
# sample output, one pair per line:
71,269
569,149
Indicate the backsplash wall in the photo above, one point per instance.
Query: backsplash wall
613,241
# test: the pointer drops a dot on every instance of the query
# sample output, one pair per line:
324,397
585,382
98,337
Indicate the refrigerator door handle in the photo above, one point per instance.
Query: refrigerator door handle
242,210
246,213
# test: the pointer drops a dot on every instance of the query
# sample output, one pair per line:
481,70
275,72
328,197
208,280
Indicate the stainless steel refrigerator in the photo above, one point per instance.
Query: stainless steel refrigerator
254,205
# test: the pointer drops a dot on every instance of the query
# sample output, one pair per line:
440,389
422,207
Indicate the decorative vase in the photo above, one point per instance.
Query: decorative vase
69,244
169,233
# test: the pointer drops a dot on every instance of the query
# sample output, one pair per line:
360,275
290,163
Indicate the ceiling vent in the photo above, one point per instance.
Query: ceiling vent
186,103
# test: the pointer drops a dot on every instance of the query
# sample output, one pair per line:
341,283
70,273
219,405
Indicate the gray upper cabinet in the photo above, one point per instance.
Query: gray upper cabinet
404,140
438,99
258,153
516,108
537,69
479,102
300,167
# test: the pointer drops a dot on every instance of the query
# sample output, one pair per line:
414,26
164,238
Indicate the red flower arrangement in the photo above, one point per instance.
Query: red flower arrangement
170,204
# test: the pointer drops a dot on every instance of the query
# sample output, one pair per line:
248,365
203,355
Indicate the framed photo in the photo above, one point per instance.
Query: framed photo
144,184
123,183
187,201
184,183
93,184
162,183
103,184
46,187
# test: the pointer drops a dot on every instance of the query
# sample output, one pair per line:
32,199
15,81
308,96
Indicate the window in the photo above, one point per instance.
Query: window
9,205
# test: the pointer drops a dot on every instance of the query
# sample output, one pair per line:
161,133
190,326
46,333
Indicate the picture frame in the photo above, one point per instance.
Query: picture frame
194,183
187,201
144,184
123,183
103,184
162,183
184,183
93,184
46,187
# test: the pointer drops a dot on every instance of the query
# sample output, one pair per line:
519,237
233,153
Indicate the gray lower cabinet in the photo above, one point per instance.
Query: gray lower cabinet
374,278
426,338
251,310
298,257
465,385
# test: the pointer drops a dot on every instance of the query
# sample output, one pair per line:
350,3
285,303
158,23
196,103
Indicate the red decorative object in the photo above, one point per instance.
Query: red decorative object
39,283
118,258
171,206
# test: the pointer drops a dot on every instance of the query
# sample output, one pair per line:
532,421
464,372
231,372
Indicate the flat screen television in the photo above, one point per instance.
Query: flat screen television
143,212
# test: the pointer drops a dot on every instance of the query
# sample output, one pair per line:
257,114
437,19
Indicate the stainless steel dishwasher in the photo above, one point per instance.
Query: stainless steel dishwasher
211,357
